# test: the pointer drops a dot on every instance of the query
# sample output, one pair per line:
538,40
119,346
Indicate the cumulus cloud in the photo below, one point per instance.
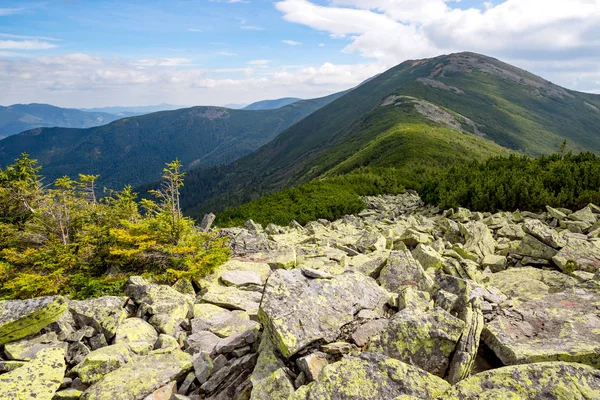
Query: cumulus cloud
391,31
291,42
25,45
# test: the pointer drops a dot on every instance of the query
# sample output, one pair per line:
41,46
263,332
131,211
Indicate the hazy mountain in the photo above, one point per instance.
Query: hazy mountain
20,117
399,119
134,150
271,104
135,110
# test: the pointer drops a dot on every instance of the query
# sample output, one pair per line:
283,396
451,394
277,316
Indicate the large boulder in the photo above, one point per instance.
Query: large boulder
532,247
543,233
139,379
104,314
102,361
372,376
557,327
401,270
21,318
269,380
547,380
579,255
38,379
297,310
530,283
423,339
139,335
478,239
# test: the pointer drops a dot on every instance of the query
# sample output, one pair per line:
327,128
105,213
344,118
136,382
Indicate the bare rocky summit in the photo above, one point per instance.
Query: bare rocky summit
403,301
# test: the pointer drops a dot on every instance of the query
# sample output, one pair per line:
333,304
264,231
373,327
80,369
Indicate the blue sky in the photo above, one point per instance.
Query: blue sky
99,53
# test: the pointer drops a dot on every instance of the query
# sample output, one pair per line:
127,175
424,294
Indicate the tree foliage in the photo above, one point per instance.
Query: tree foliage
62,239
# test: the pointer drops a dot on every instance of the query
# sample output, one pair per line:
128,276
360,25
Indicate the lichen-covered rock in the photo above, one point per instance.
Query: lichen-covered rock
276,386
224,323
102,361
412,237
138,334
548,380
202,342
138,379
428,257
530,283
495,263
557,327
425,340
265,377
370,241
232,298
532,247
26,349
21,318
369,264
579,255
478,239
241,278
261,268
543,233
402,269
103,314
38,379
373,377
468,345
297,311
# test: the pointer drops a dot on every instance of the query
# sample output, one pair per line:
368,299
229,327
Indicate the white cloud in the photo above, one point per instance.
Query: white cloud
13,36
25,45
259,62
194,30
392,31
291,42
162,62
252,28
226,53
10,11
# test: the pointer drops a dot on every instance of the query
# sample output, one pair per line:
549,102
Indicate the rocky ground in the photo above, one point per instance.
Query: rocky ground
400,302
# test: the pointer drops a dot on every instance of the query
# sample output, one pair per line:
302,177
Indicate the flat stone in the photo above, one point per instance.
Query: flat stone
102,361
21,318
103,314
363,334
372,376
164,393
232,298
315,273
543,233
426,340
532,247
224,324
578,255
241,278
38,379
561,326
203,367
27,349
530,283
236,341
139,379
494,262
401,270
427,257
262,268
370,264
138,334
338,348
312,365
67,394
297,311
202,342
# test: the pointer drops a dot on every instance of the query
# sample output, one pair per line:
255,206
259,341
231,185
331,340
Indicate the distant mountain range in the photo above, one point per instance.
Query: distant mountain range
271,104
135,110
134,150
418,115
20,117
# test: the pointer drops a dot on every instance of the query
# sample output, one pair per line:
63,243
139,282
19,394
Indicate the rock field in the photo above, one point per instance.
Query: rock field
402,301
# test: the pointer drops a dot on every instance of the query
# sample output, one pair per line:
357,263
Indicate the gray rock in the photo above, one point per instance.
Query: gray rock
103,314
530,246
363,334
203,367
233,342
241,278
315,273
402,269
312,365
27,349
543,233
207,221
580,255
138,334
202,342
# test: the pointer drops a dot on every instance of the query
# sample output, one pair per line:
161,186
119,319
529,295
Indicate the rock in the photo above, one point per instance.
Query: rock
224,324
265,378
312,365
103,314
262,268
468,345
543,233
425,340
412,237
561,326
76,352
68,394
315,273
7,366
494,262
531,283
411,297
138,334
478,239
427,257
21,318
276,386
373,377
102,361
184,286
38,379
338,348
164,393
203,367
165,344
402,269
580,255
27,349
282,258
202,342
548,380
207,221
363,334
532,247
241,278
297,311
370,264
232,298
233,342
370,242
584,215
140,378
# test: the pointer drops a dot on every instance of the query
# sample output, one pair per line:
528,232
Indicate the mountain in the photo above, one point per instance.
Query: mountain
419,114
271,104
134,150
135,110
21,117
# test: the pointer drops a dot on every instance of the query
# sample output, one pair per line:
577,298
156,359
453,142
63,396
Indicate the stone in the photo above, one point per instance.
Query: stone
276,386
100,362
412,237
296,311
67,394
584,215
543,233
478,239
138,334
236,341
466,350
103,314
402,269
548,380
187,383
241,278
203,367
312,365
76,352
262,268
27,349
411,297
372,376
207,221
7,366
427,257
139,379
21,318
337,348
555,213
370,264
282,258
370,241
232,298
224,324
532,247
578,255
38,379
202,342
560,326
164,393
315,273
184,286
426,340
530,283
494,262
205,311
165,344
363,334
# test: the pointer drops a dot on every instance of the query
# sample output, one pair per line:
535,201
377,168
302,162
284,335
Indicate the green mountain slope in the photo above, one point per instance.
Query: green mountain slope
134,150
271,104
466,92
21,117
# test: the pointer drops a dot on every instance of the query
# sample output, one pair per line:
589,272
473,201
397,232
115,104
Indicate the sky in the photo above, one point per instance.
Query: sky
78,53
